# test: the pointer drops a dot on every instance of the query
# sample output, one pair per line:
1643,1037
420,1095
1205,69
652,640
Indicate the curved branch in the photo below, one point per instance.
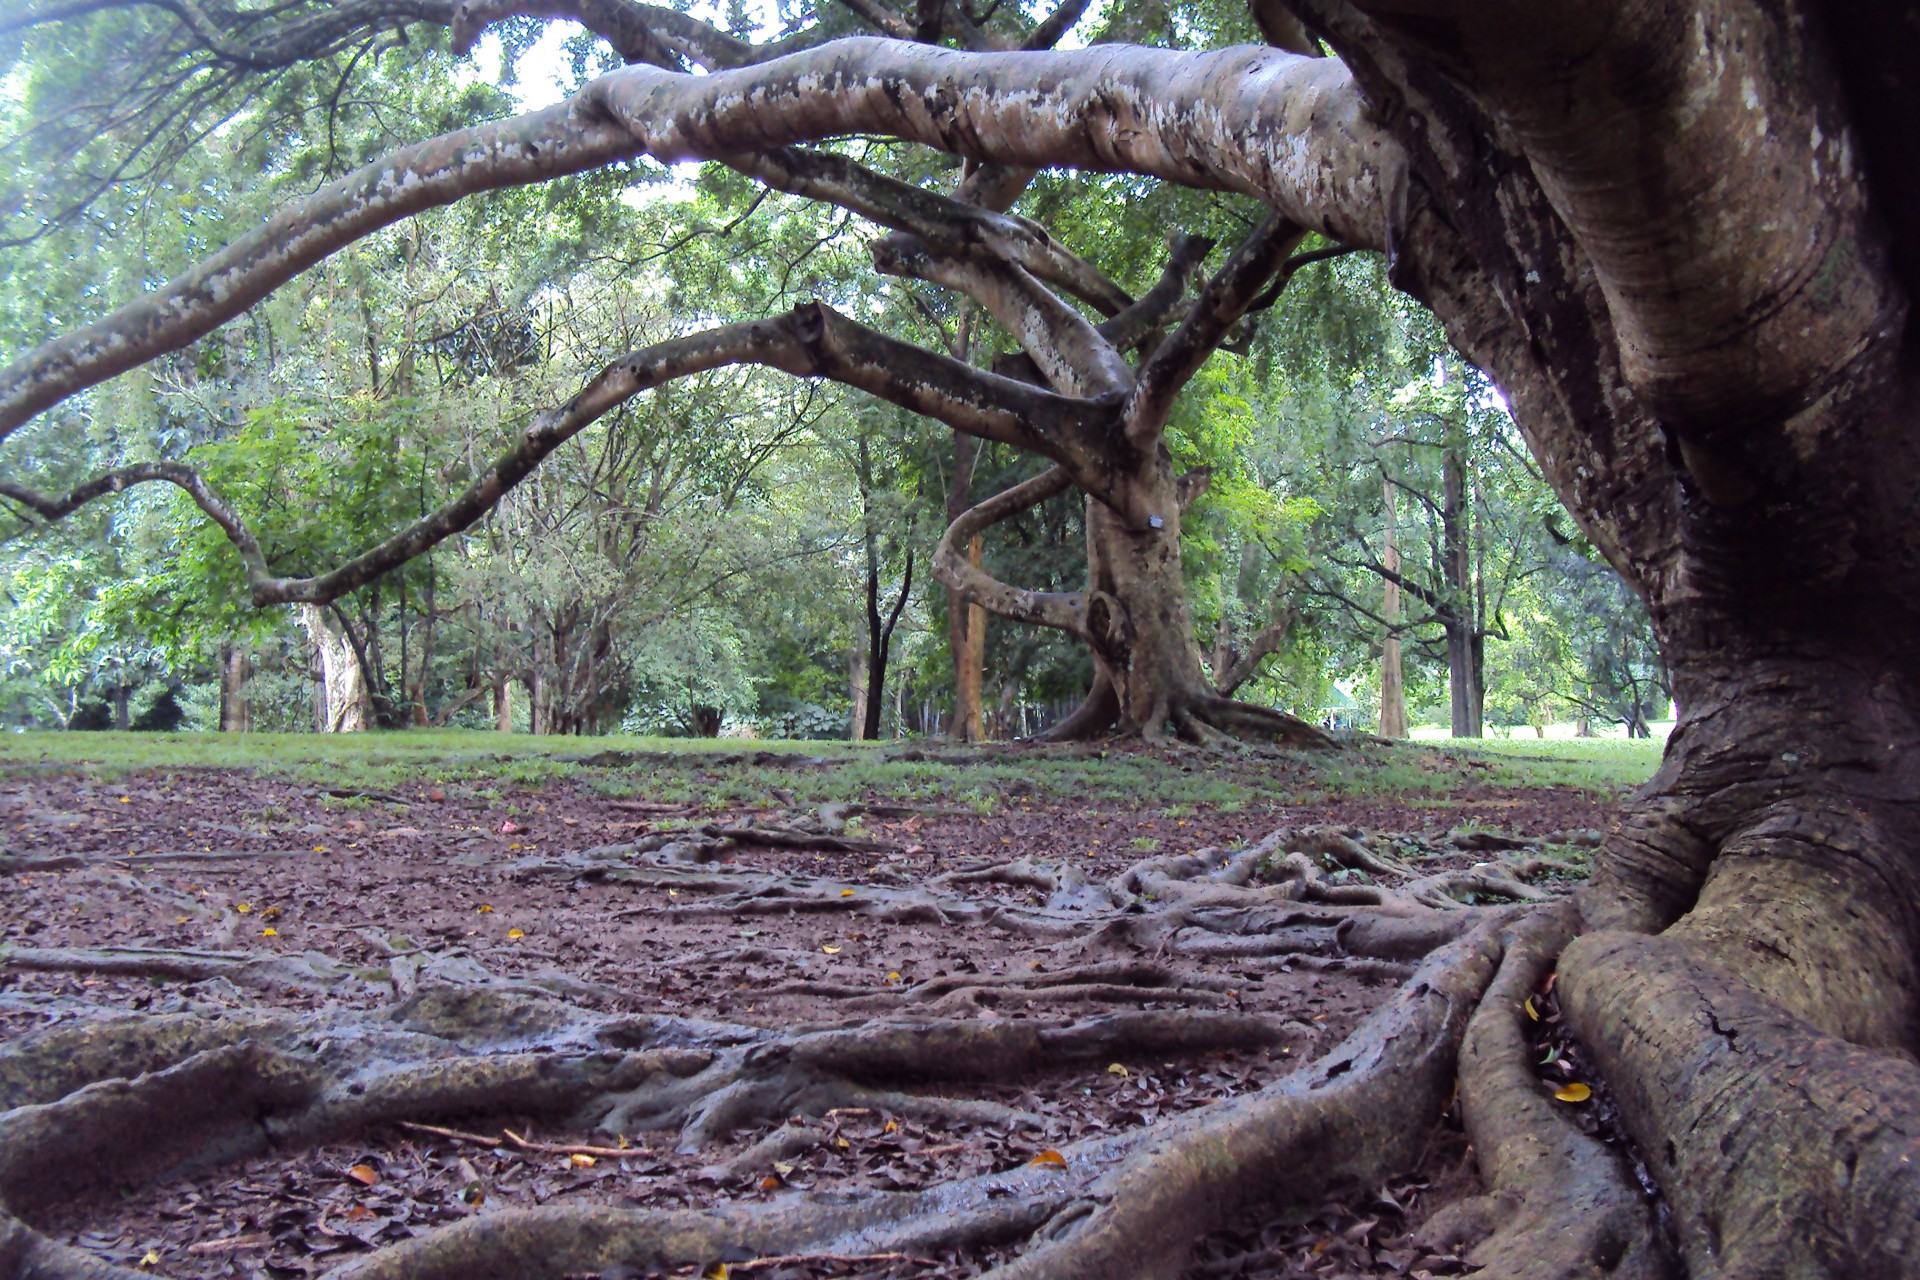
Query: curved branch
1062,610
810,341
1231,120
1129,328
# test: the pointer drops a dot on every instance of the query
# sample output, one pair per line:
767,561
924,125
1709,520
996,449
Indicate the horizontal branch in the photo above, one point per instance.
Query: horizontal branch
810,341
1289,130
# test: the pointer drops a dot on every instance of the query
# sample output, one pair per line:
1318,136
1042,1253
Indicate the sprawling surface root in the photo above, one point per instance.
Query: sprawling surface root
102,1103
1561,1205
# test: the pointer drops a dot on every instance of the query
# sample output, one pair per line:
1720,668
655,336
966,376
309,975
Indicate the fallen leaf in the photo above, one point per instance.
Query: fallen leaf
1531,1011
846,893
319,848
508,827
771,1182
359,1213
1049,1159
843,1144
129,800
718,1271
580,1161
891,1127
1116,1069
832,951
514,935
784,1170
151,1258
269,933
485,909
1574,1092
891,977
272,913
364,1175
243,907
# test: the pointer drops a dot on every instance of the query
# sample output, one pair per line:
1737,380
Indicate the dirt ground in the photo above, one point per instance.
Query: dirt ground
453,882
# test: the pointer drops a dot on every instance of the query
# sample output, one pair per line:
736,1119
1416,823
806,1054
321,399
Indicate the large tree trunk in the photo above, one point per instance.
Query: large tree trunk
966,621
348,702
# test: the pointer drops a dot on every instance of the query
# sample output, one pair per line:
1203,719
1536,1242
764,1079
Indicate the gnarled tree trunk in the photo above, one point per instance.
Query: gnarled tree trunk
343,685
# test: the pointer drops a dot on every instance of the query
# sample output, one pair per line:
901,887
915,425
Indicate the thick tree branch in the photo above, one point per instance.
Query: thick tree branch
1240,120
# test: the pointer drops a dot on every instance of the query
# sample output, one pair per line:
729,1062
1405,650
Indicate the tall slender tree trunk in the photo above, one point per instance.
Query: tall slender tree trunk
1464,642
1393,687
857,691
503,704
966,621
236,708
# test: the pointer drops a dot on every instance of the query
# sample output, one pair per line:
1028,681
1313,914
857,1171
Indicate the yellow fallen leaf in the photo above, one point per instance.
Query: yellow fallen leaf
1575,1092
319,848
579,1161
243,907
891,1127
1531,1011
1116,1069
272,913
485,909
783,1169
181,920
891,977
364,1175
269,933
832,951
846,893
151,1258
718,1271
516,934
842,1143
129,800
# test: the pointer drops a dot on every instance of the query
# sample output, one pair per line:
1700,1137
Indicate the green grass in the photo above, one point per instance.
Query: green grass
679,769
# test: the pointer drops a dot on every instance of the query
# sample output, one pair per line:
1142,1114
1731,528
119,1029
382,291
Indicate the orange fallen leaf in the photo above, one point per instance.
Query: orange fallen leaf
1574,1092
359,1213
579,1161
771,1182
1049,1159
364,1175
485,909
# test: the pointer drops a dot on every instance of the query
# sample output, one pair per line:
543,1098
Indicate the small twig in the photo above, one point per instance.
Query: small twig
800,1259
570,1149
512,1139
232,1244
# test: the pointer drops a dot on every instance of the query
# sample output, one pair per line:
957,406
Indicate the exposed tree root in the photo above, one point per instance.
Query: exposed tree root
1562,1205
108,1101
